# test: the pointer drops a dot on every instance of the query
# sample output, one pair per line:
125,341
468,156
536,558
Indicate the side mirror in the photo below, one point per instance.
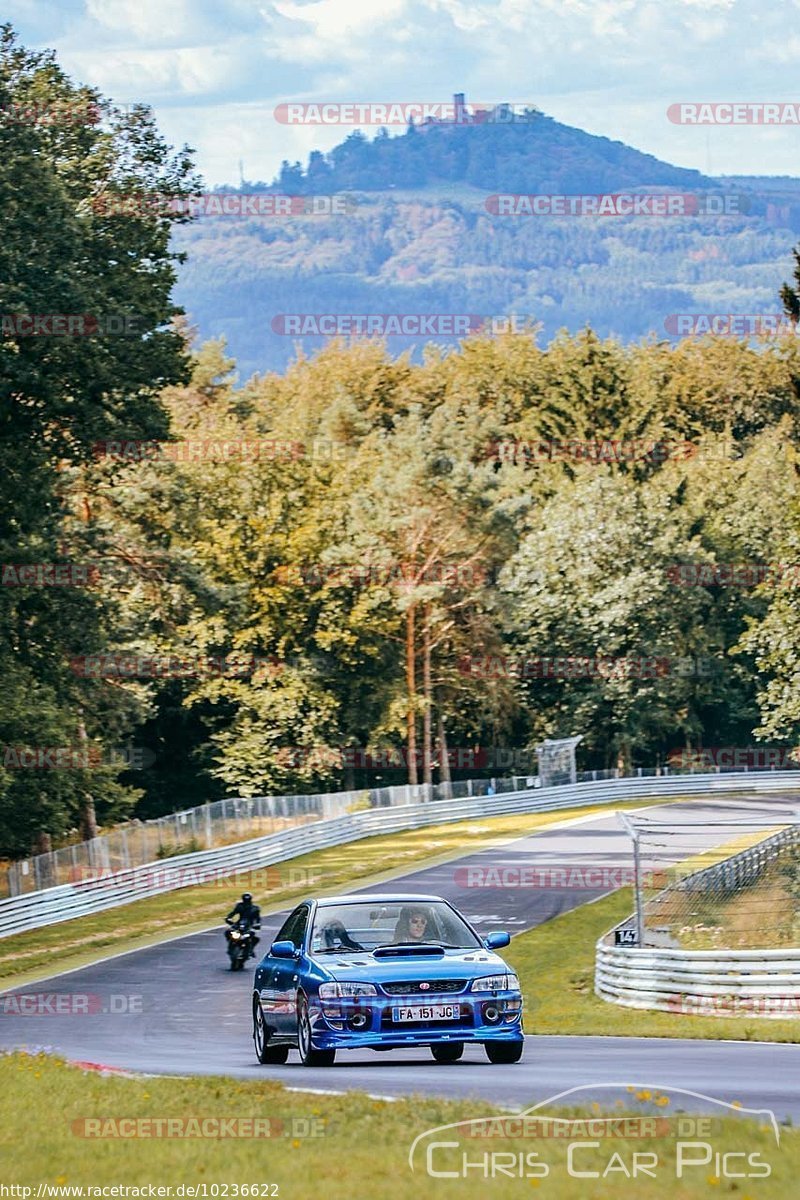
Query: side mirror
496,941
283,950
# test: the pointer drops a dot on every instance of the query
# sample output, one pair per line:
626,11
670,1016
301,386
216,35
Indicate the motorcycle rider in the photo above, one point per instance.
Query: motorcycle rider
247,916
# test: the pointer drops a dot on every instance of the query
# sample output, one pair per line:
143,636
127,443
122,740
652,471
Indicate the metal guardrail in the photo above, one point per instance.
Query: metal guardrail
221,823
241,818
739,871
719,982
114,888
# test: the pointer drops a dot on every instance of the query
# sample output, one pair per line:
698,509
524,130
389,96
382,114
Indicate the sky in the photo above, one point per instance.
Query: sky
215,70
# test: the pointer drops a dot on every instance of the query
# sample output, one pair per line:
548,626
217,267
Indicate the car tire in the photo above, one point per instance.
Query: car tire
310,1057
504,1053
447,1052
264,1052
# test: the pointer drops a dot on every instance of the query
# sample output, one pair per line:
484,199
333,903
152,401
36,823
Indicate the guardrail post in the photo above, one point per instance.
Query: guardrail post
637,877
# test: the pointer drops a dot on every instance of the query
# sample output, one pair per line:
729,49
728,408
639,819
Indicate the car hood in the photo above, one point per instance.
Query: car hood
453,964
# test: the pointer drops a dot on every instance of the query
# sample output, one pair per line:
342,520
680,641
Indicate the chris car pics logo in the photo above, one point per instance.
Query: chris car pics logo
637,1132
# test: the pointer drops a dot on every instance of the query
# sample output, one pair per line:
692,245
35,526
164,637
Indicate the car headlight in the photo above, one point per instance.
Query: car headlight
331,991
496,983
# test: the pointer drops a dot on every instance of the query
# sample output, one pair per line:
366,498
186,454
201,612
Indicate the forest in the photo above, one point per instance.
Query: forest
367,565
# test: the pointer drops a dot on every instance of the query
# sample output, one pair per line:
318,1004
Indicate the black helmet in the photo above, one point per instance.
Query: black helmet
247,897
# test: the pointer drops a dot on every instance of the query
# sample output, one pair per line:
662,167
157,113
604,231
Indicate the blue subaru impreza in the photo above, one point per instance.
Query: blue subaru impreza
383,971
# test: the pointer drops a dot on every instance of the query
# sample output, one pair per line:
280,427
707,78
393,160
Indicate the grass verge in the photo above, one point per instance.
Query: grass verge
354,1144
26,956
555,963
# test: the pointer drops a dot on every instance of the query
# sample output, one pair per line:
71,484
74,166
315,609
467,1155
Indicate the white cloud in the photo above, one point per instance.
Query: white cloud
339,27
214,69
145,20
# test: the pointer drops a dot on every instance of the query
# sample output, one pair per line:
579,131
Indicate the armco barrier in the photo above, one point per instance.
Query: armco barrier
757,983
121,887
720,982
221,823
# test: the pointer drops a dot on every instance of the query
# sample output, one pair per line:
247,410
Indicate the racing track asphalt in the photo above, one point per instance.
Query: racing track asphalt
175,1008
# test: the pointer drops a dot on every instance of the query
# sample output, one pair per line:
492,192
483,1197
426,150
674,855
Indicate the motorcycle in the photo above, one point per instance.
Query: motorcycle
241,940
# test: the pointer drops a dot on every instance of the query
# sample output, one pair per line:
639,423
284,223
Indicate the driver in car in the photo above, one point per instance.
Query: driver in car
413,925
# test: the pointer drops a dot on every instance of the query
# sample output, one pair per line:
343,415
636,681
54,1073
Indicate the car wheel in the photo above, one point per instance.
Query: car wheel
448,1052
310,1057
504,1052
264,1052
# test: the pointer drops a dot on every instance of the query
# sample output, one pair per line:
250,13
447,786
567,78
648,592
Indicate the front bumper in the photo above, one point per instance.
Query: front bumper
368,1022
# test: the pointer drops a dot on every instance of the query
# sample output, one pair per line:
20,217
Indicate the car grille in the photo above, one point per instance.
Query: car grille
409,987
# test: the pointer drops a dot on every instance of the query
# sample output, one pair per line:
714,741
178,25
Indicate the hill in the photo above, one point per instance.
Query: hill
534,153
421,235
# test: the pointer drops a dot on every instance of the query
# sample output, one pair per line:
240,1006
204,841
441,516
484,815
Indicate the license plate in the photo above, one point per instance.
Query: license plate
429,1012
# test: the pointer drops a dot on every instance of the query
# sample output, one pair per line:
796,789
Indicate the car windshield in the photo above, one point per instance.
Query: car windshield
365,925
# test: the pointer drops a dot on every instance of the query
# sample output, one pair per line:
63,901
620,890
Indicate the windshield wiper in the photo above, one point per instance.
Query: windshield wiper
339,950
426,942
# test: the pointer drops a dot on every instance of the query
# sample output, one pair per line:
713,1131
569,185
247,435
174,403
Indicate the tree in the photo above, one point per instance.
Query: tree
63,150
790,295
600,630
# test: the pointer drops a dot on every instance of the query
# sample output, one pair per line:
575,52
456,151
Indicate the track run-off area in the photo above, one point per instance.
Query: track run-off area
175,1008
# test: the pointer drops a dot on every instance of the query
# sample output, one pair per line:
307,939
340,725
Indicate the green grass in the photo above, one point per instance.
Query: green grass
26,956
349,1145
555,963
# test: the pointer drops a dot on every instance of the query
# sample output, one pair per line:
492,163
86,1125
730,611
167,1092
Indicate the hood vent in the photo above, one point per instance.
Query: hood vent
408,952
